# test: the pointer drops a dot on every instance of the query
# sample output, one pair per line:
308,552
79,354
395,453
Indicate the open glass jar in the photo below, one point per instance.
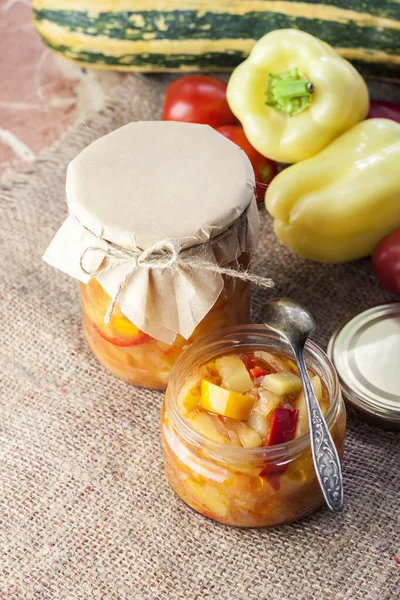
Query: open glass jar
242,486
162,217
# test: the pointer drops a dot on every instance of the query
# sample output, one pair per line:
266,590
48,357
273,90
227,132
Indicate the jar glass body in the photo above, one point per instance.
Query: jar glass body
134,356
225,482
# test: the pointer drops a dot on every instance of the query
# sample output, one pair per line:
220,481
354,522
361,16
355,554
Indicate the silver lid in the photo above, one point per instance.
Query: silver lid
366,353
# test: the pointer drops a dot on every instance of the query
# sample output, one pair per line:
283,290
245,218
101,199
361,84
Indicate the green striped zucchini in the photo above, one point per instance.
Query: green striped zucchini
202,35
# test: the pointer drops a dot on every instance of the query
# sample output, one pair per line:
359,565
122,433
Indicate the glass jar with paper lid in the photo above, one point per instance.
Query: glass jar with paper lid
162,225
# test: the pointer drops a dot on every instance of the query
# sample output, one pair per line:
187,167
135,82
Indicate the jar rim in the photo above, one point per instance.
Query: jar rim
213,343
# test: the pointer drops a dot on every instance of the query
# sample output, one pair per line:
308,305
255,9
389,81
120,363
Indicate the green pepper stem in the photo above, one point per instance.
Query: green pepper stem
288,91
293,89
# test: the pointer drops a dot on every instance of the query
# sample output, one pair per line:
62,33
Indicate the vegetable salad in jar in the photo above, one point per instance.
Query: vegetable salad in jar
137,357
235,427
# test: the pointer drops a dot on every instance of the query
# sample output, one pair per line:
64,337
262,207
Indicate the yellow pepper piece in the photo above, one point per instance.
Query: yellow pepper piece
191,400
224,402
337,205
123,325
294,95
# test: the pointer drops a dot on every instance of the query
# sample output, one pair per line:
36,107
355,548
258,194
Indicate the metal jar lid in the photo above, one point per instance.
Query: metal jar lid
366,353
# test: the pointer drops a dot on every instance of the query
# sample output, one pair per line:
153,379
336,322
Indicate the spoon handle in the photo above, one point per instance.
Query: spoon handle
326,459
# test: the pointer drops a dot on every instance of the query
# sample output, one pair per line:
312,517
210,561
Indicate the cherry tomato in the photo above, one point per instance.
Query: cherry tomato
386,261
264,168
380,109
198,99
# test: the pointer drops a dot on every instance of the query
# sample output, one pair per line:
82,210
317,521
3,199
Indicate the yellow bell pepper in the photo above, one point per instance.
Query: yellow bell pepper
294,95
337,205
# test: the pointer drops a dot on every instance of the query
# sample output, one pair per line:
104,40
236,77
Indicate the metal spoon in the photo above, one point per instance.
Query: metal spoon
295,324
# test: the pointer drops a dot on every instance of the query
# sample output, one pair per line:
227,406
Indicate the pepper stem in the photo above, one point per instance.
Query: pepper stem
288,92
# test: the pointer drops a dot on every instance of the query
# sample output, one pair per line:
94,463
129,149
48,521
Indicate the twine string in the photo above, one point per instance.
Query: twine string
164,255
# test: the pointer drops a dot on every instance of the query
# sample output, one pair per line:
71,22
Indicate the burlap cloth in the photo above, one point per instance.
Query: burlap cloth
85,508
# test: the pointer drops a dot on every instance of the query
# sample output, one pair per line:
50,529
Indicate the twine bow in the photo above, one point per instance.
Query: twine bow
164,254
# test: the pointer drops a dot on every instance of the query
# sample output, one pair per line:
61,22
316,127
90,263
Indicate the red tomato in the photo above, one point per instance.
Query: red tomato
264,168
198,99
386,261
380,109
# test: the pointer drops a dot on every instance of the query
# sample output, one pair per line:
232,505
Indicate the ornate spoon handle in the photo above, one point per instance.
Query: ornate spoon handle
326,459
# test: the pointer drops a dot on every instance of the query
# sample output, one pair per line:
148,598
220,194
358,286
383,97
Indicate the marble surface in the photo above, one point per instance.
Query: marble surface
41,95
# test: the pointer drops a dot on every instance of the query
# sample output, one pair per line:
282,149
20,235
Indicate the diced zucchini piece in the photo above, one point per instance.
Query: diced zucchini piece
282,383
192,399
275,362
248,437
209,497
267,401
317,386
302,420
234,374
189,395
204,424
225,402
259,423
259,416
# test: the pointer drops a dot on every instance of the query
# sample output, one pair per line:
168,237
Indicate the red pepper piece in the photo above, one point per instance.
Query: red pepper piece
380,109
282,429
272,469
258,371
274,479
272,473
249,361
282,426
